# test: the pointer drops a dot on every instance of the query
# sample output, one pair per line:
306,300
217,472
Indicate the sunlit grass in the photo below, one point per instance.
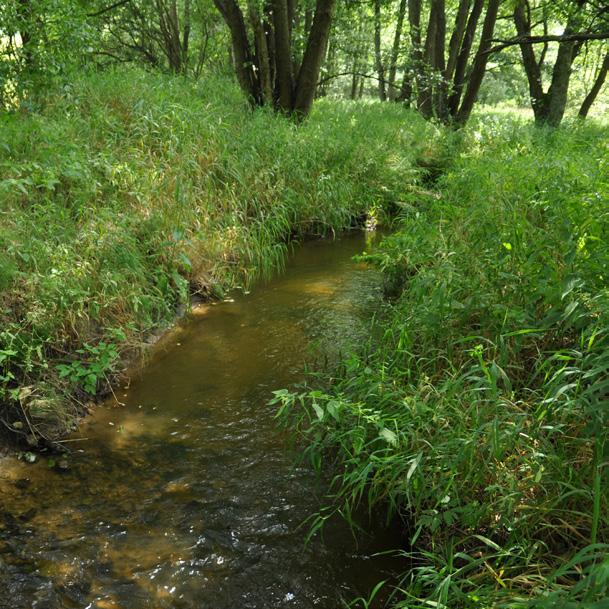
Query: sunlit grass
477,414
129,191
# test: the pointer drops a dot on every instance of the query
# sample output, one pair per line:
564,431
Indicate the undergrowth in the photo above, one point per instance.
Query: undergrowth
478,412
129,191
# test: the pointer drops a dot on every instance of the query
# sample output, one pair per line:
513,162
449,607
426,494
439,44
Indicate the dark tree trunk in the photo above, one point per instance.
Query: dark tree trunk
548,107
479,66
463,58
378,56
272,62
313,57
262,54
439,66
456,39
395,51
596,88
412,69
532,67
354,80
453,52
559,88
243,59
169,25
283,57
436,28
26,32
186,36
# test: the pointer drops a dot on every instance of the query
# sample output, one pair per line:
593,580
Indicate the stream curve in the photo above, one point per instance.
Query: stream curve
186,495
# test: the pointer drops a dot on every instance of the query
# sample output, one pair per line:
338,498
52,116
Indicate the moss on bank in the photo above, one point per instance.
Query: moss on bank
129,191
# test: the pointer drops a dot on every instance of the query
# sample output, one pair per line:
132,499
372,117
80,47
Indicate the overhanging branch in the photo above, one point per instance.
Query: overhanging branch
108,8
577,37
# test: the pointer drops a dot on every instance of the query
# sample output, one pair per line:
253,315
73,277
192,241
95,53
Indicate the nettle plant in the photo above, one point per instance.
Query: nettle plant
95,364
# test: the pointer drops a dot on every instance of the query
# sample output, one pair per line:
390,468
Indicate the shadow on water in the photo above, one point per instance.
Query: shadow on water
187,495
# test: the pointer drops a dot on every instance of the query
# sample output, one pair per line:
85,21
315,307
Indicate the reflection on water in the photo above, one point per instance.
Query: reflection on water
186,496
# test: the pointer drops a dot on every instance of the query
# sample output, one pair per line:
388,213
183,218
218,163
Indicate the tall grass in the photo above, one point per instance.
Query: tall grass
478,413
131,190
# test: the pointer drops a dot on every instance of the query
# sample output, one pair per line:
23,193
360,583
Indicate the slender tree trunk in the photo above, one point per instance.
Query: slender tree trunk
354,80
559,88
532,67
313,57
456,39
453,52
463,58
439,66
242,56
430,60
186,36
262,53
283,57
357,55
395,51
596,88
378,56
480,61
415,58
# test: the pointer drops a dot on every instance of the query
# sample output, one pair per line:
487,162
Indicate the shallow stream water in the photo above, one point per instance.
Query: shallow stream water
186,495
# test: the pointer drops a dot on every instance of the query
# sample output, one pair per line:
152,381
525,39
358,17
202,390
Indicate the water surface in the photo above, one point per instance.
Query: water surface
186,494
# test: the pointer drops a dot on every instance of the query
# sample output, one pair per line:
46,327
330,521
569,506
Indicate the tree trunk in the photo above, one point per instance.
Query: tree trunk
313,57
354,80
242,55
480,61
456,39
283,57
559,88
415,58
272,62
463,58
439,66
262,53
186,36
531,66
378,57
596,88
395,51
430,59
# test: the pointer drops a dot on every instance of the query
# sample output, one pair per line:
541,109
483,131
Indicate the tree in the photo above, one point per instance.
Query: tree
446,81
599,81
270,71
580,18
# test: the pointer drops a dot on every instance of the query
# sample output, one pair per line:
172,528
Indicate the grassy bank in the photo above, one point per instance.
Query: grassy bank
130,191
479,413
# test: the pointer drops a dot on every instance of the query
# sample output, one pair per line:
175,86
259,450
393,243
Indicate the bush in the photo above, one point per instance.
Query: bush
479,413
131,190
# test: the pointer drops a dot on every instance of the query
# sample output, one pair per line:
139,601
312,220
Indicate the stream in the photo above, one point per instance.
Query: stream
187,495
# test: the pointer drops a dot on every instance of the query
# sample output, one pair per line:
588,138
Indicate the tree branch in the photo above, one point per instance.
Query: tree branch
577,37
108,8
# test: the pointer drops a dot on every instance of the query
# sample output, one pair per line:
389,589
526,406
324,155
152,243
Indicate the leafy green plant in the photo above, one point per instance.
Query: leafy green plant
477,412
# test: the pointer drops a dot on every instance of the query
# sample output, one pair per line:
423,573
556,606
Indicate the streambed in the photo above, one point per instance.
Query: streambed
186,495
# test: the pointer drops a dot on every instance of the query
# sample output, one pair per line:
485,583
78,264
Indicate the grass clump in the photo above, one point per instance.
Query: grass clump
129,191
478,413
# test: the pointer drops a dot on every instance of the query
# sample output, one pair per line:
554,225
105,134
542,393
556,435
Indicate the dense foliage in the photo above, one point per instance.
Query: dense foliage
478,413
114,209
438,56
